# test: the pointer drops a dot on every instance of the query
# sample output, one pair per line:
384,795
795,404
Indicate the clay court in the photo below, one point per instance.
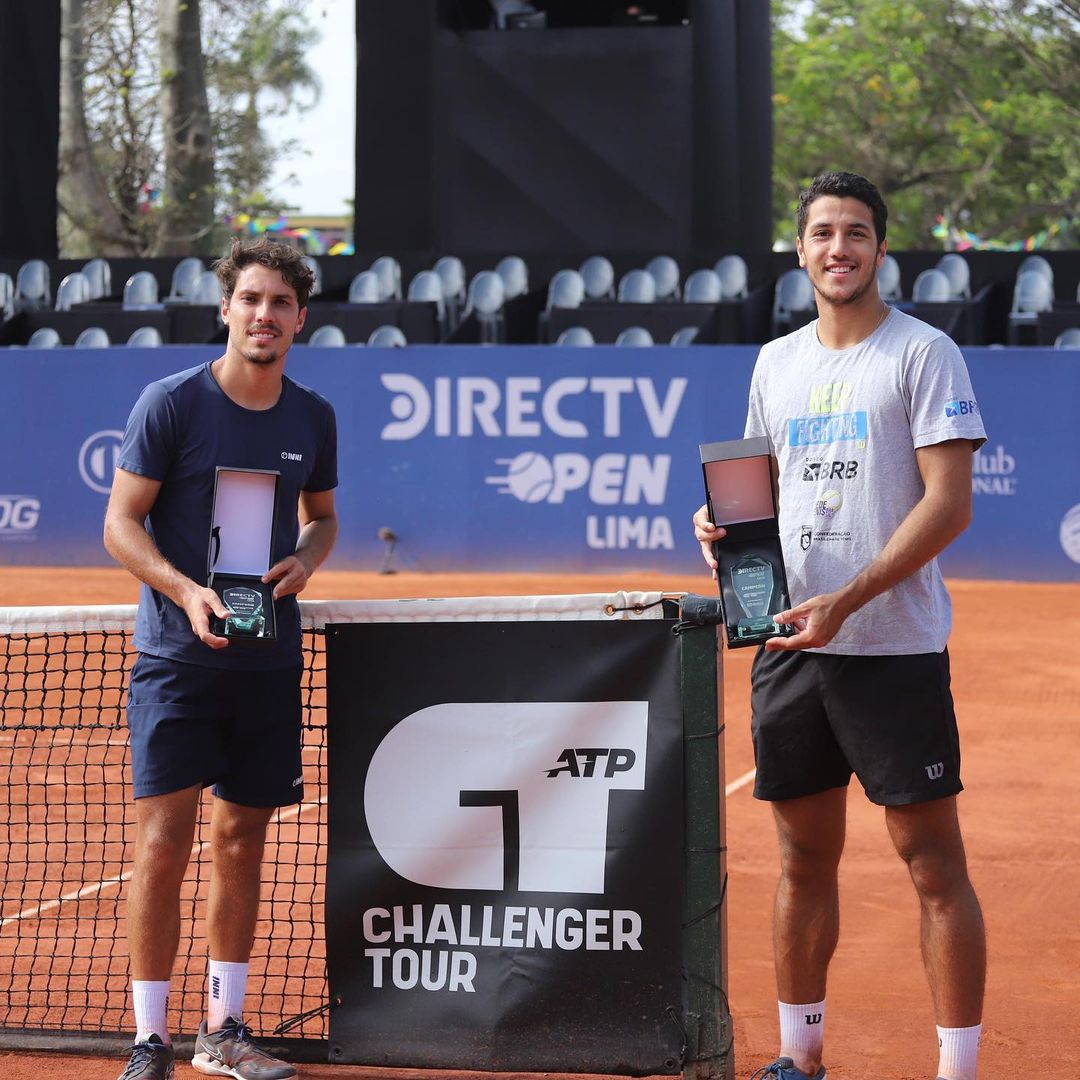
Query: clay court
1016,679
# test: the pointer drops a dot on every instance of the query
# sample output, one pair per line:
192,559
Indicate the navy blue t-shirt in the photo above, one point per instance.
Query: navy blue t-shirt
180,430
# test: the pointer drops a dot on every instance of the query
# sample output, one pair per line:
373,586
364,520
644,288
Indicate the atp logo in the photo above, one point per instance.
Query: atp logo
98,456
458,795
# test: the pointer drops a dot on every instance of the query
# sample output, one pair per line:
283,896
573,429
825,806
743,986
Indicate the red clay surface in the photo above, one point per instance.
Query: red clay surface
1016,678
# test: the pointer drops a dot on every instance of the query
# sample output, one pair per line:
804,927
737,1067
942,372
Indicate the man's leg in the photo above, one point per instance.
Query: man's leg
806,917
953,939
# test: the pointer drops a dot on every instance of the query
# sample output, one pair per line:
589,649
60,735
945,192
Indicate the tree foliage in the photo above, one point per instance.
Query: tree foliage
164,134
966,109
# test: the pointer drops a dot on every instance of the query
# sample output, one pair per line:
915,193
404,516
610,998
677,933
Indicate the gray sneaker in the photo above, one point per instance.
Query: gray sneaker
231,1052
150,1060
784,1069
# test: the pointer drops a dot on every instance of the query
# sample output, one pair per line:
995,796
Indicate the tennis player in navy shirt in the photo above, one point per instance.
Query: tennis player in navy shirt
203,710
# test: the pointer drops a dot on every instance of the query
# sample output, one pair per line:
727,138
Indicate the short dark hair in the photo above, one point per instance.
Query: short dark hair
274,256
845,185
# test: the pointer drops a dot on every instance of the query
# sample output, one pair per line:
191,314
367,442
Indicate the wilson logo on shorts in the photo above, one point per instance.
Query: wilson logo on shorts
458,795
936,772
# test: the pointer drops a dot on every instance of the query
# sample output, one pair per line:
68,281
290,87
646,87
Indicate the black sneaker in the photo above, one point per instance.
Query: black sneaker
231,1052
150,1060
784,1069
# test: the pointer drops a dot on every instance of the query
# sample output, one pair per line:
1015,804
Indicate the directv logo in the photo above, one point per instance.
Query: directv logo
961,408
97,459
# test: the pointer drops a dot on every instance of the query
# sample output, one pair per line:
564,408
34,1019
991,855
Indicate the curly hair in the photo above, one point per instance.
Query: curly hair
845,185
274,256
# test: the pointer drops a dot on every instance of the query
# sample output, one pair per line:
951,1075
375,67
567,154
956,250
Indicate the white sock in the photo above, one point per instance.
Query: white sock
150,1001
802,1029
226,987
959,1055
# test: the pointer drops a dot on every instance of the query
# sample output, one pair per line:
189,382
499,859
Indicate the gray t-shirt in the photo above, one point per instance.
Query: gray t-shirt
844,425
179,431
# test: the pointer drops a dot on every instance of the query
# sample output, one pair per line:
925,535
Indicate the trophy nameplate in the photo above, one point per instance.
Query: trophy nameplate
741,497
241,538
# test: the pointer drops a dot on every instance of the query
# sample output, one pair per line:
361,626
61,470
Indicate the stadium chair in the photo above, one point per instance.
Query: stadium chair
599,277
140,291
328,337
1033,293
575,336
514,274
685,336
932,287
185,280
365,288
451,271
388,271
637,287
888,280
387,337
427,288
74,289
485,299
1037,263
955,267
7,296
634,337
794,293
32,289
313,265
665,273
93,337
146,337
44,337
1068,339
208,290
703,287
99,274
734,277
566,290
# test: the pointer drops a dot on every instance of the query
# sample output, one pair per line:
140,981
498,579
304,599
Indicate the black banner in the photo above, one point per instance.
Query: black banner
504,884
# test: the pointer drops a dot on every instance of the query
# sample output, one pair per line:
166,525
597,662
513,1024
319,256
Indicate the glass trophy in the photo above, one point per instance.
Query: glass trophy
246,617
753,584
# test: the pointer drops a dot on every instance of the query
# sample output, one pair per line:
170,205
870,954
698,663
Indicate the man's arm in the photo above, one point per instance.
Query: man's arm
128,542
318,530
933,523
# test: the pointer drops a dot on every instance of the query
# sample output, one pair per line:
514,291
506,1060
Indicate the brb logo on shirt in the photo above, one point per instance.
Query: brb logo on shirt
504,795
961,408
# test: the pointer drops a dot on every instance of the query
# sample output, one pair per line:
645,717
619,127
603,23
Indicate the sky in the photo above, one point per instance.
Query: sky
325,174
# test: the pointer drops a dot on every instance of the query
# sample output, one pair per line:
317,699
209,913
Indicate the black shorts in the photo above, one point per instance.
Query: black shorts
817,718
237,730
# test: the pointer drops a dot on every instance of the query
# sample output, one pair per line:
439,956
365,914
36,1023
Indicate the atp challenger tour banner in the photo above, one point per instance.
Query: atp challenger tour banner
542,458
505,865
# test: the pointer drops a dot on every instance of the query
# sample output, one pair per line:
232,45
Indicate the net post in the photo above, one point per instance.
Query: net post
709,1035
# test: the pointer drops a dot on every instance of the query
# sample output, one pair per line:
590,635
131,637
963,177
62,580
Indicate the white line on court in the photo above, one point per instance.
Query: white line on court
740,782
98,886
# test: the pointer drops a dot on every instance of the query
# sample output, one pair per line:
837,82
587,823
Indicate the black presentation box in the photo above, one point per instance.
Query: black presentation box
741,494
242,530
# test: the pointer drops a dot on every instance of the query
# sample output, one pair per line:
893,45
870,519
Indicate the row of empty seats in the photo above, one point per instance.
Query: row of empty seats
148,337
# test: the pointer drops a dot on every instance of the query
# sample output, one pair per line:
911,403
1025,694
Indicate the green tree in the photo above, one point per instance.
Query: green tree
960,108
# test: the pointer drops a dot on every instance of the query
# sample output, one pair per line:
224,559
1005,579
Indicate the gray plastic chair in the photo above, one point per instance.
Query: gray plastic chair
387,337
451,271
794,293
99,274
388,270
685,336
888,279
74,289
32,288
45,337
703,287
566,290
328,337
485,299
634,337
7,296
515,276
734,277
1068,339
145,337
140,291
665,273
1037,263
208,291
313,265
1032,293
955,267
599,277
931,287
637,287
185,280
576,337
93,337
427,288
365,288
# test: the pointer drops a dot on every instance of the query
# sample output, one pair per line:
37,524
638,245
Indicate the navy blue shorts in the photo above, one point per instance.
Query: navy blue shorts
237,730
817,718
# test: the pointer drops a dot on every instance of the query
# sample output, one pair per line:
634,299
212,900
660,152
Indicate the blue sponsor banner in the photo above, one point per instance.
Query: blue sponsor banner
529,457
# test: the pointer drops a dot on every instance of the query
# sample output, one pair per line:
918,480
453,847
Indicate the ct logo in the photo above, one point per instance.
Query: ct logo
478,796
97,459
